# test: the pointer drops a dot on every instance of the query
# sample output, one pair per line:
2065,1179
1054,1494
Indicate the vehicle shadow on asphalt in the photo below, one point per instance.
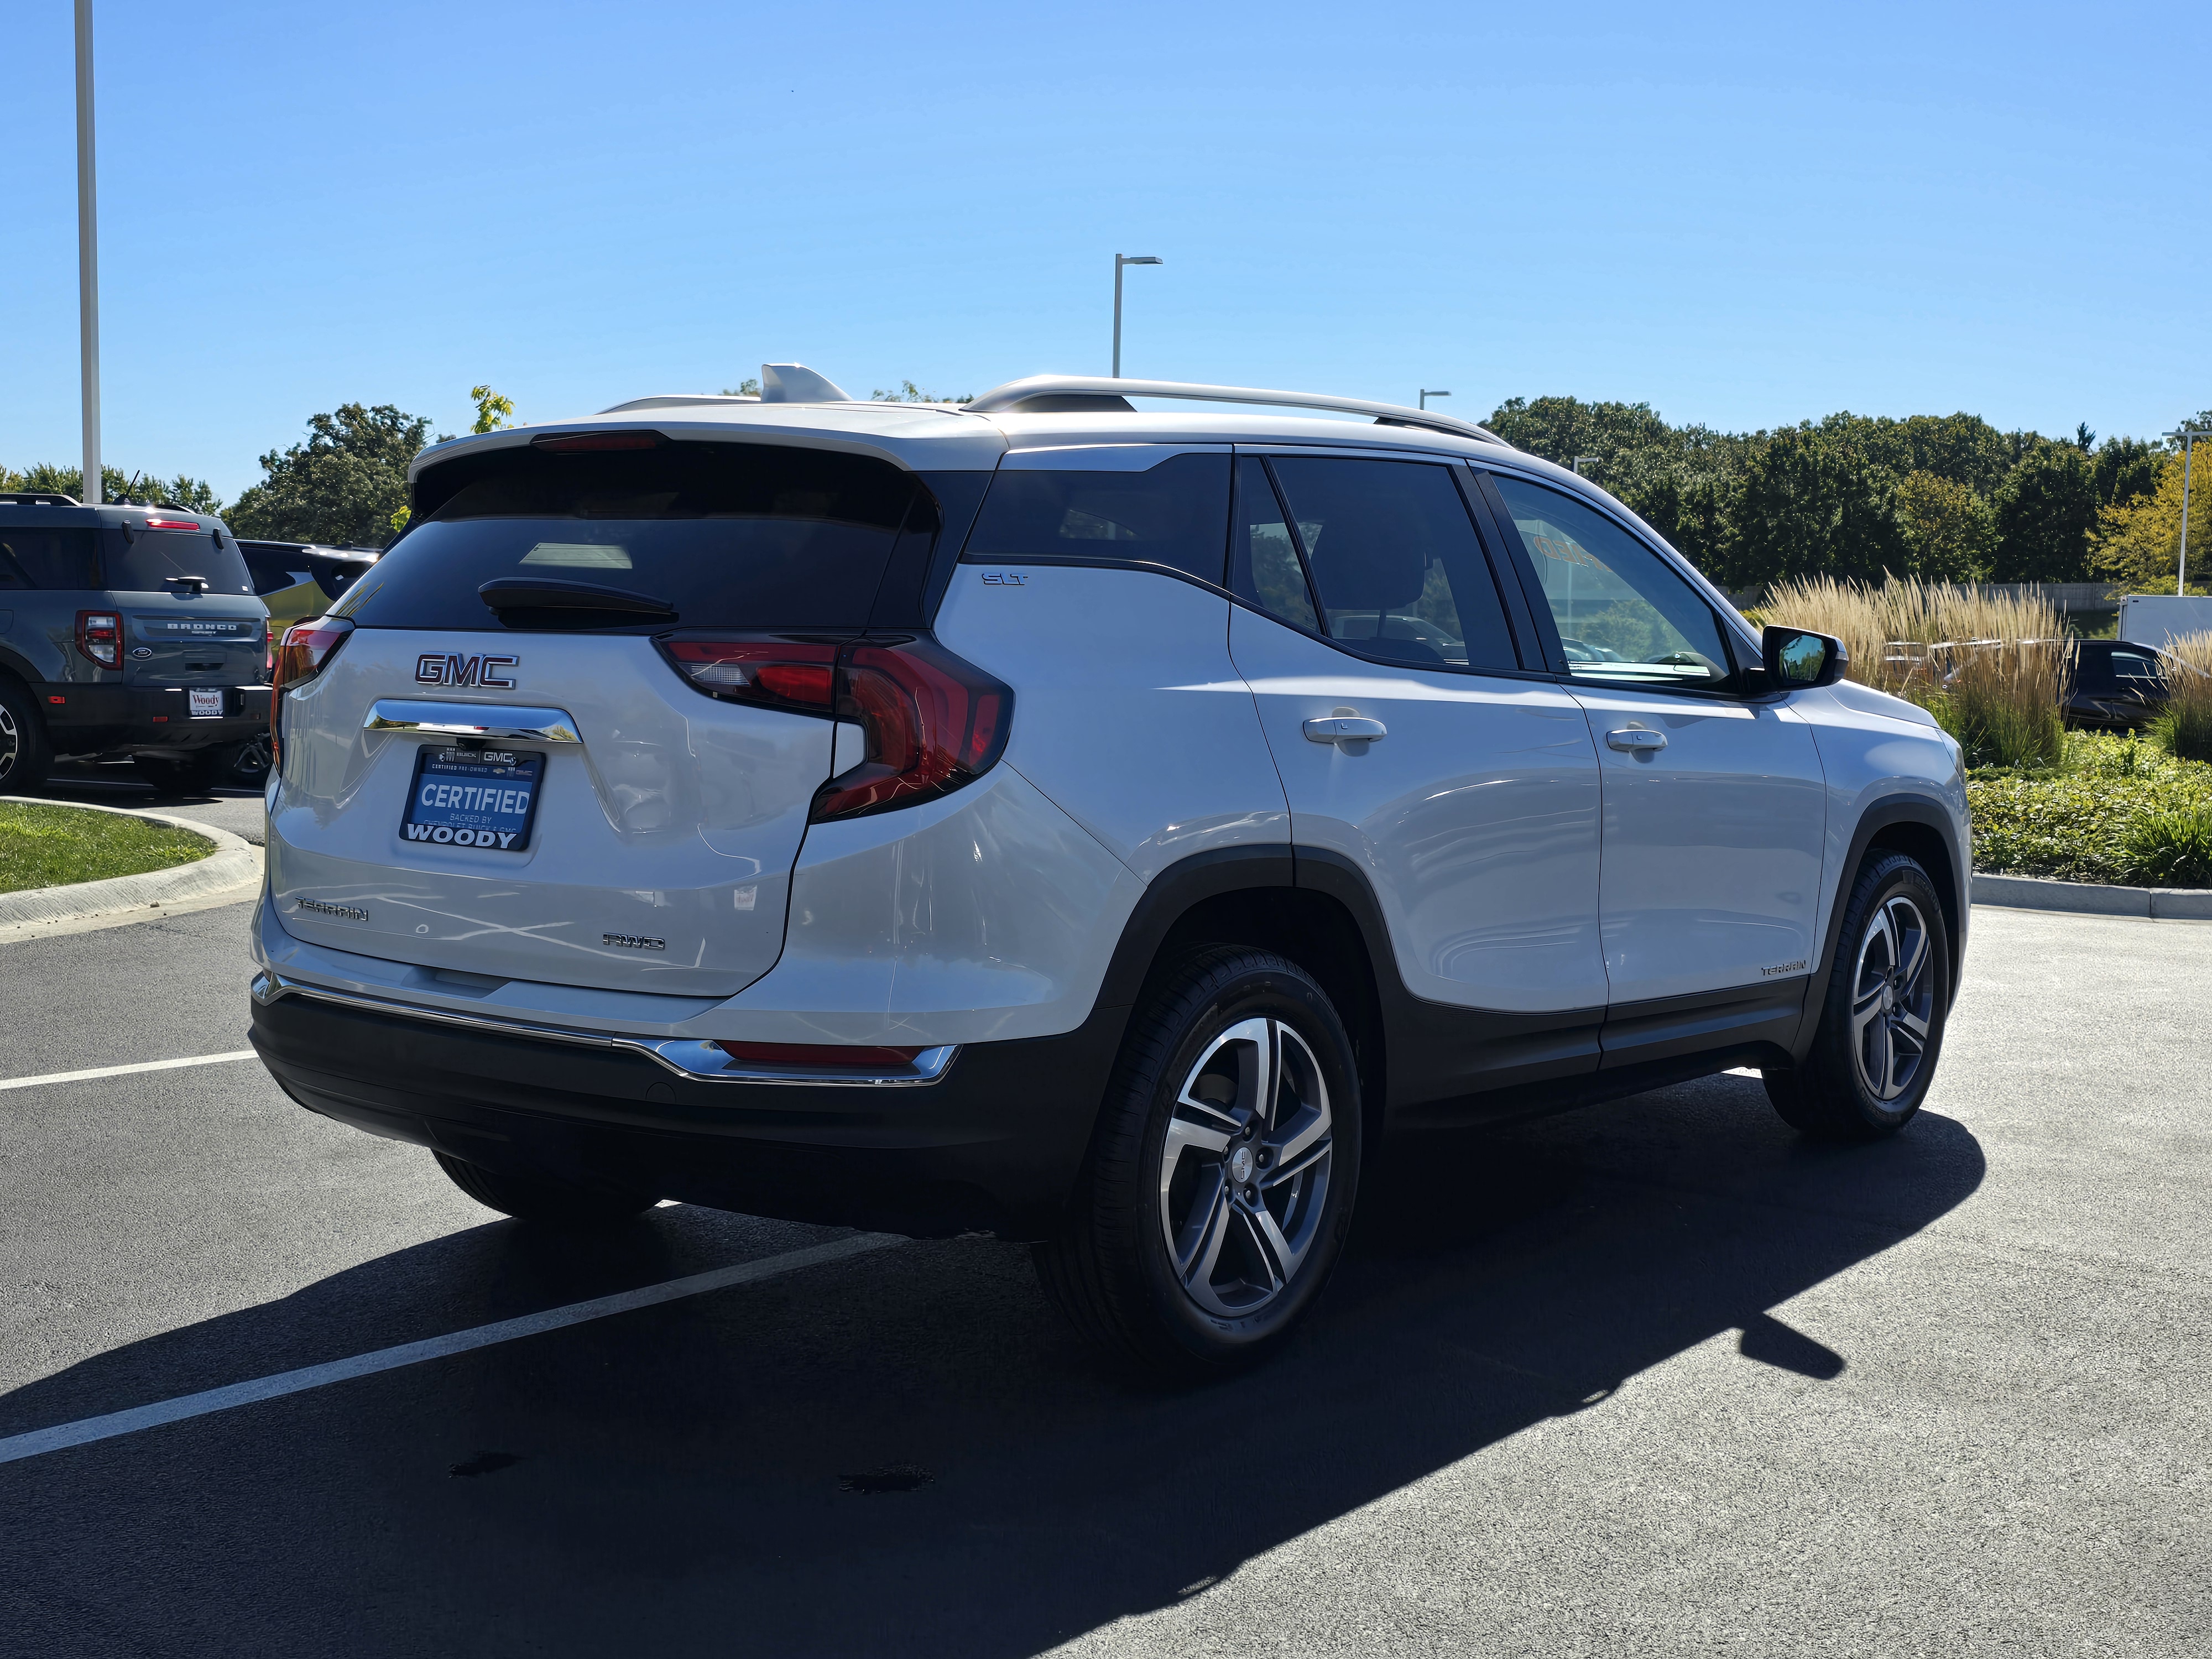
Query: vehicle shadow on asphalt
907,1453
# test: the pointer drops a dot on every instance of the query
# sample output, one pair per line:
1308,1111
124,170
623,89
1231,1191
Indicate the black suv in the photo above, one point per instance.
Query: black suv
126,632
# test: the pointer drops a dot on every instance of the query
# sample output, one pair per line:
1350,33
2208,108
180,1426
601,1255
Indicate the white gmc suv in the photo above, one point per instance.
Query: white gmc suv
1100,827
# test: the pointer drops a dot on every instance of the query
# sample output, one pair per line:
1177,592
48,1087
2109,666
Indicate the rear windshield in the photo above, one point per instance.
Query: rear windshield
726,534
141,560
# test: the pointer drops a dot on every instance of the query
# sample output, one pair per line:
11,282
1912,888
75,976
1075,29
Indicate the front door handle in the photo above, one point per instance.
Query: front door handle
1635,740
1344,728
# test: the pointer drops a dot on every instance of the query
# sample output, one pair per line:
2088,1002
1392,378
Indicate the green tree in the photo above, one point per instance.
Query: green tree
141,489
493,411
1948,529
343,485
2125,468
909,392
2137,542
2045,511
1810,504
748,387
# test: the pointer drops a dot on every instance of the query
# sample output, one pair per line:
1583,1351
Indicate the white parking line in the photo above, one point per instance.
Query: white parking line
119,1071
38,1442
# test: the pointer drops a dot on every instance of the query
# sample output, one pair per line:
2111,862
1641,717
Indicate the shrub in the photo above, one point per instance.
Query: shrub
2171,848
2184,729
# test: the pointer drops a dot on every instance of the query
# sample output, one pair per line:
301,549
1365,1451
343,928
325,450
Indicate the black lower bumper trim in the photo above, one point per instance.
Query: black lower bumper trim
84,719
995,1146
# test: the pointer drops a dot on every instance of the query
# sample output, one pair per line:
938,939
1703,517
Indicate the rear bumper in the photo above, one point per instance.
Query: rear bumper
102,718
992,1144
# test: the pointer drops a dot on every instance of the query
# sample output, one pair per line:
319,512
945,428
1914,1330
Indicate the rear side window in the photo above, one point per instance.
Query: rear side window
144,560
2135,666
1173,512
1395,562
50,559
725,534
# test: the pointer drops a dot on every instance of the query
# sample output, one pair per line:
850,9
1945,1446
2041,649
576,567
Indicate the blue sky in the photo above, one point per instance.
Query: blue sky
1744,216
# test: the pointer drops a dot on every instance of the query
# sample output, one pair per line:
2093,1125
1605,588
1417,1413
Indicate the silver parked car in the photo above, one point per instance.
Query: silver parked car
1100,827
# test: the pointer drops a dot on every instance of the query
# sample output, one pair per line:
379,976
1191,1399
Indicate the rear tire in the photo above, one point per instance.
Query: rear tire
1881,1022
1220,1183
544,1200
25,758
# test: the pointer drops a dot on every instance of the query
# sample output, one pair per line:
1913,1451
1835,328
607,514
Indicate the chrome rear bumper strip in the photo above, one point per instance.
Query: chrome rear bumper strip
699,1061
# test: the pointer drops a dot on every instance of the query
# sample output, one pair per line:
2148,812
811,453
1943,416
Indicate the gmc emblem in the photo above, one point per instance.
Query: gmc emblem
431,670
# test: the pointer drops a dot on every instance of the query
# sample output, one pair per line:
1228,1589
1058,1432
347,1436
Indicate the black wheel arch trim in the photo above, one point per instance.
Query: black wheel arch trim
1954,886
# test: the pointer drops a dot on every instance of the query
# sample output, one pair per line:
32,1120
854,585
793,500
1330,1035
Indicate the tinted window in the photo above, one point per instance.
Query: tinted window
1268,572
142,560
1175,512
47,558
1624,614
729,535
1395,562
2135,665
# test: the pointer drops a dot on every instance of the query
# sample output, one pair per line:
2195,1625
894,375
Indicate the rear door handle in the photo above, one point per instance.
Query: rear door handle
1635,740
1344,728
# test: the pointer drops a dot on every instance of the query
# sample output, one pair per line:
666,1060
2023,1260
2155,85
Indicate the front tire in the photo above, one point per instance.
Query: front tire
1220,1185
544,1200
1874,1056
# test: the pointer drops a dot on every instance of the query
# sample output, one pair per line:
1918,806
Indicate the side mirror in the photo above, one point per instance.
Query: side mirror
1796,659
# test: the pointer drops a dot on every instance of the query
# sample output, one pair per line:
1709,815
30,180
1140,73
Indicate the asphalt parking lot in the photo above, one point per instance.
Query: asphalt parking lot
1652,1377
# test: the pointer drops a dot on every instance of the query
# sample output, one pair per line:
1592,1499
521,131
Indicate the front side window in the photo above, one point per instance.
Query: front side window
1094,505
1624,615
1394,560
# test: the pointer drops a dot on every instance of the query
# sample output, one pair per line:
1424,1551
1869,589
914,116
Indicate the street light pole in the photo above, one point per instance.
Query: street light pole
88,257
2189,435
1119,260
1426,394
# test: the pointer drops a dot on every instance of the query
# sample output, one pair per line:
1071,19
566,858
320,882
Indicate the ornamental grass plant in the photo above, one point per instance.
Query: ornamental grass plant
2184,729
1993,668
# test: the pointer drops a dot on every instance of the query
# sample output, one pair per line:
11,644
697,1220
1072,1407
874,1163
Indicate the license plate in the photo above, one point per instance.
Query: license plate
206,705
483,799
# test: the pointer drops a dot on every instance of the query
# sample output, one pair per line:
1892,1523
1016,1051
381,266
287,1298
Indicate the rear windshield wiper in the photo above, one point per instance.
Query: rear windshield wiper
617,605
197,584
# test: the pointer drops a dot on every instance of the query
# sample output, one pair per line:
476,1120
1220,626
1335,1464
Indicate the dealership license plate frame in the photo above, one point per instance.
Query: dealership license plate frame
485,766
202,705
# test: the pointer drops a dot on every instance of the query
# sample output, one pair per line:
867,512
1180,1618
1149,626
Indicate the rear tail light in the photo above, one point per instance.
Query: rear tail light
827,1056
929,723
307,650
777,673
99,636
173,524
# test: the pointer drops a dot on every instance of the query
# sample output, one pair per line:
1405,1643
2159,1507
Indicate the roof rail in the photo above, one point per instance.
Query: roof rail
37,498
1011,396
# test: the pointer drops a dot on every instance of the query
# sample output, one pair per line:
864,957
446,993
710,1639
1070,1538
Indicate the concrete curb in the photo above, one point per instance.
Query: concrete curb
227,875
2089,899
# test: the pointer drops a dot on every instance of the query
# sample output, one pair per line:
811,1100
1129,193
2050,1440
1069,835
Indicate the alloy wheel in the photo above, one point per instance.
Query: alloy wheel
1244,1171
11,744
1893,999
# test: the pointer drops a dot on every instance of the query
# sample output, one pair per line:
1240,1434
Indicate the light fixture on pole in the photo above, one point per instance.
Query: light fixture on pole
1581,461
2189,435
1119,260
1426,394
88,258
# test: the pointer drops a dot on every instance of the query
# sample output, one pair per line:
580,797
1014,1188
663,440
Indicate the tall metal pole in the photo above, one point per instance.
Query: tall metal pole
87,255
1119,260
1118,263
2181,573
